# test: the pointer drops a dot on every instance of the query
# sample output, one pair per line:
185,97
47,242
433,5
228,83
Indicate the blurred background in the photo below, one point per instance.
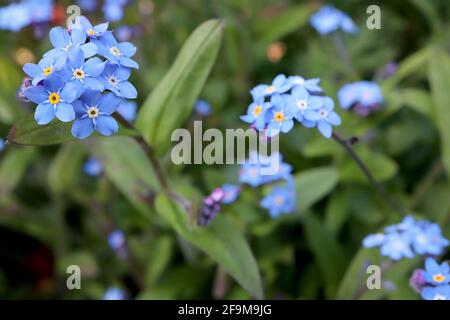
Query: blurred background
58,207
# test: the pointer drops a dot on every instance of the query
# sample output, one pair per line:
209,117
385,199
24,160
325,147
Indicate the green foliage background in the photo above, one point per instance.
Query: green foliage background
52,215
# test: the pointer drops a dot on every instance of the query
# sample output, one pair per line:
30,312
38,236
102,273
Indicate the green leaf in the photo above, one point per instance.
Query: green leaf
439,77
417,99
314,184
27,132
127,166
327,252
13,167
354,283
171,102
382,167
66,167
274,28
220,240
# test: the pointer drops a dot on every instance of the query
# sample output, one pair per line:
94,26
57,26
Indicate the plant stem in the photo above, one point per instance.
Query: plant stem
347,145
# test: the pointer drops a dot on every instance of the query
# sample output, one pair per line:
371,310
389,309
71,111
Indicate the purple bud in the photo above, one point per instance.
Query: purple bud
417,280
26,83
217,194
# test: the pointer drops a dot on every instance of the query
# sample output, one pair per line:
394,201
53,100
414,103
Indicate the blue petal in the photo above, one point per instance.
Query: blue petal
312,115
334,118
65,112
109,103
94,67
127,49
70,92
94,84
287,126
90,97
100,28
78,37
53,83
89,49
127,62
75,58
127,90
32,69
106,125
82,128
122,73
325,129
79,108
300,93
36,94
247,118
44,113
59,37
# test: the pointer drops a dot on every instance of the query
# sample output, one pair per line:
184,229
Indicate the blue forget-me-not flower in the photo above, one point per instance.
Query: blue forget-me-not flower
329,19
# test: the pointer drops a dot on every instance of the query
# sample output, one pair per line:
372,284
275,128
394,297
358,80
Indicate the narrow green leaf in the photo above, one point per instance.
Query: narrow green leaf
171,102
13,167
314,184
127,166
327,251
274,28
27,132
439,77
66,166
220,240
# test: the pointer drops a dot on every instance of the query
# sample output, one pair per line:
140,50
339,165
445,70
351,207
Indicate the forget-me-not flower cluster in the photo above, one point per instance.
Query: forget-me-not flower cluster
83,79
19,15
277,106
363,96
328,19
408,238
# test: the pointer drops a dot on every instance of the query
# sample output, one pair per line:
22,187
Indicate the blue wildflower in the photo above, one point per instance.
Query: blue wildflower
281,200
115,78
329,19
396,246
256,113
259,169
14,17
113,9
87,5
367,94
280,116
93,167
93,111
116,240
230,193
83,74
114,293
114,52
312,85
436,293
304,104
280,84
54,98
2,144
325,117
202,108
127,109
427,239
63,42
42,70
91,31
436,274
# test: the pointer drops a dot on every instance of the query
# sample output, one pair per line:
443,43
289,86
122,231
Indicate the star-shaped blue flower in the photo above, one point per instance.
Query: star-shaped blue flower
91,31
427,239
329,19
304,104
280,116
230,193
42,70
281,200
115,78
436,293
397,246
280,84
63,42
83,74
325,117
116,53
94,112
256,113
436,274
54,98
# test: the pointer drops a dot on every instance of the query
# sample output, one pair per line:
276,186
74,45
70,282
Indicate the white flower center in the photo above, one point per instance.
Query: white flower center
302,104
323,113
114,51
112,80
92,112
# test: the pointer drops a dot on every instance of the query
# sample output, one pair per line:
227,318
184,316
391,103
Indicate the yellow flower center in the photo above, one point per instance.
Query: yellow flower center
438,278
279,200
278,116
257,111
47,71
54,98
93,112
78,73
270,89
114,51
92,32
